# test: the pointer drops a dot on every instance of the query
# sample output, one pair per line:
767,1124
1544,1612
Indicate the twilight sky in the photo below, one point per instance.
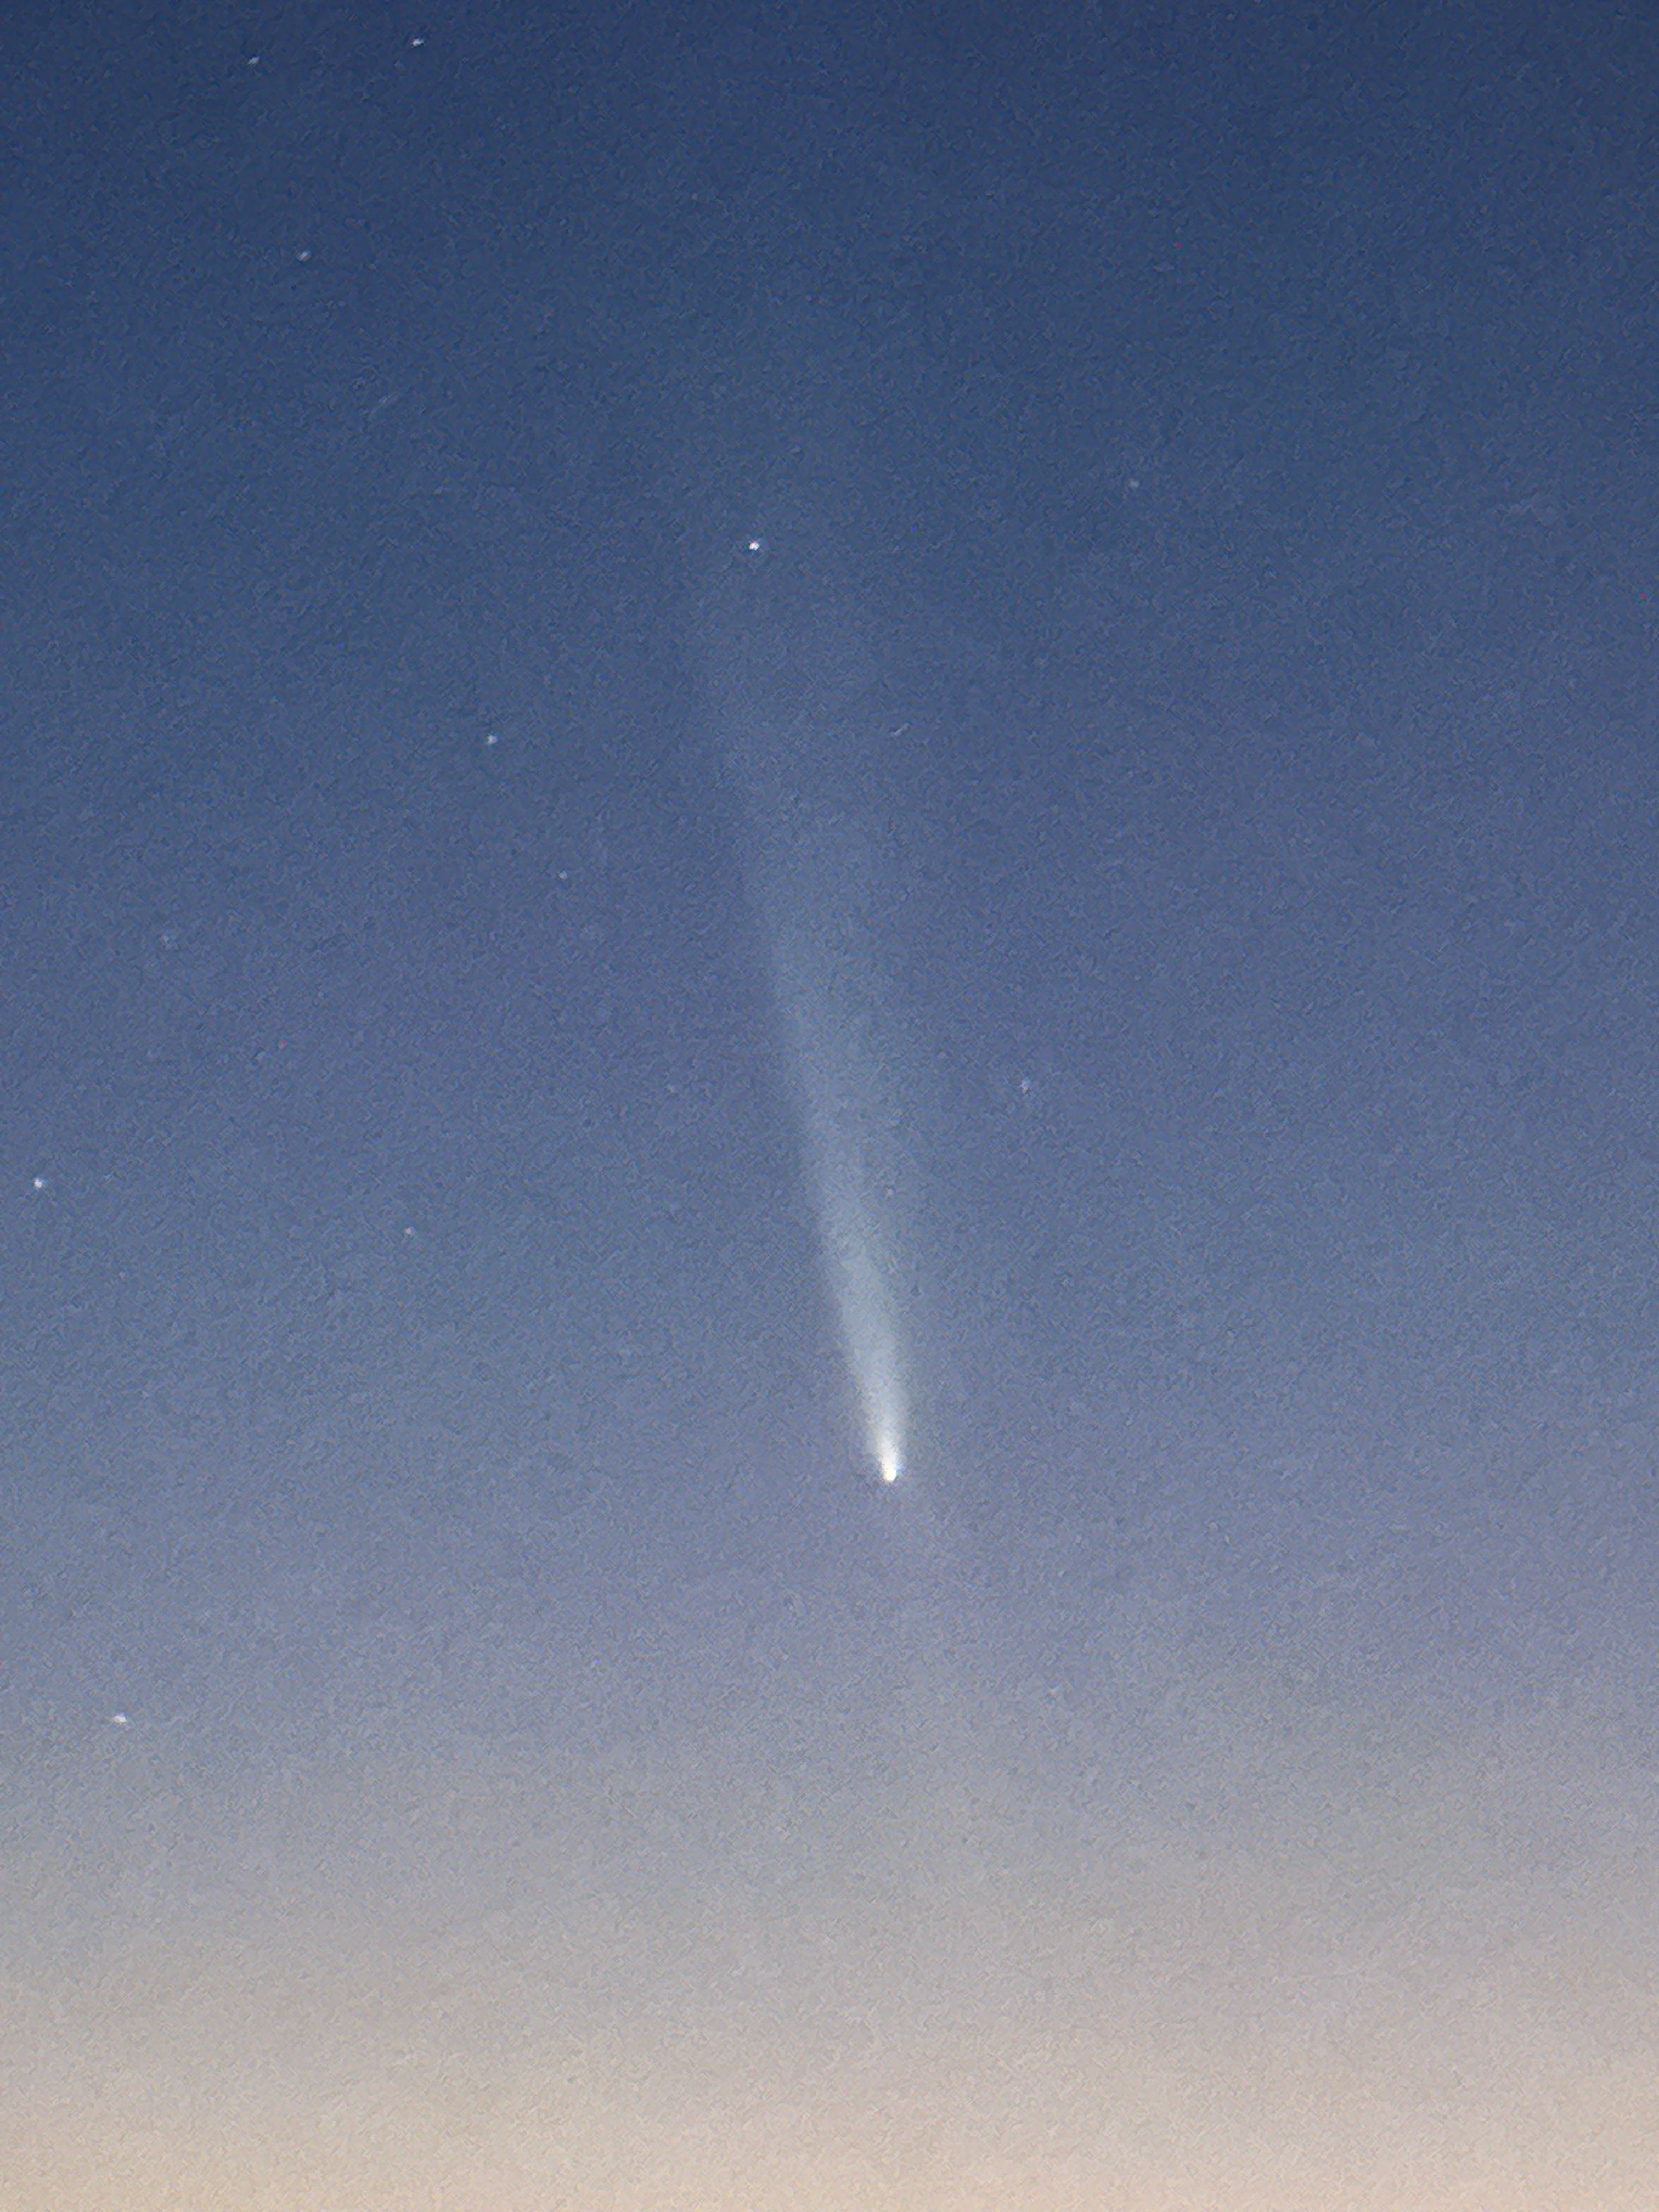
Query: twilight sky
743,742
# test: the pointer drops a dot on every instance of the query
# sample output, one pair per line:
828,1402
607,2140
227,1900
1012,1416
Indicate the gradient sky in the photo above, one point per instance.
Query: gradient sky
1056,607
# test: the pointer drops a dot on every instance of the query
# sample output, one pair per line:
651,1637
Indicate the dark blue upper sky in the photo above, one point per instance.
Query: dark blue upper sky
1230,434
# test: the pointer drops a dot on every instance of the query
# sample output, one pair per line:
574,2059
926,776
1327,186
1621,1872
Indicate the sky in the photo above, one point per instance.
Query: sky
829,1108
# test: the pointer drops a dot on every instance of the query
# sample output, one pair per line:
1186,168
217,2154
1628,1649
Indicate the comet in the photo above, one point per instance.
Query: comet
786,665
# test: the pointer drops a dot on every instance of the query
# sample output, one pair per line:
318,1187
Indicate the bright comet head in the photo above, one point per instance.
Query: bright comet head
890,1459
